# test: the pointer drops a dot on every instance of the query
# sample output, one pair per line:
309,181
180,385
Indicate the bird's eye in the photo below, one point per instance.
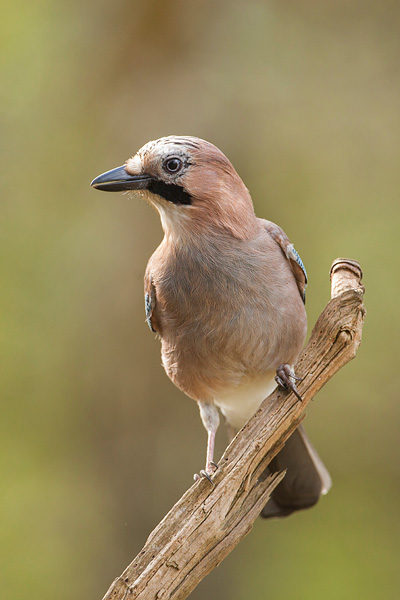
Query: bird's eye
173,165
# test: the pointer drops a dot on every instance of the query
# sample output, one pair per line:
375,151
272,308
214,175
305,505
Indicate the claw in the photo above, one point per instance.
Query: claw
284,378
297,378
203,473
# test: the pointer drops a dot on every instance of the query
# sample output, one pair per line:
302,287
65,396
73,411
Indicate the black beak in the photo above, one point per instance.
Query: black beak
118,180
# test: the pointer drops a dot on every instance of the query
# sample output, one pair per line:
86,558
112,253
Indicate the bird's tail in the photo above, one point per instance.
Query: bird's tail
305,481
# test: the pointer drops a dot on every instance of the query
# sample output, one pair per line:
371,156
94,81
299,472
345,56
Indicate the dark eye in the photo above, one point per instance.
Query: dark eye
173,165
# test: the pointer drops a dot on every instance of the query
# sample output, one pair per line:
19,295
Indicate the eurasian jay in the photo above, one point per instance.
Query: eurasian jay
225,292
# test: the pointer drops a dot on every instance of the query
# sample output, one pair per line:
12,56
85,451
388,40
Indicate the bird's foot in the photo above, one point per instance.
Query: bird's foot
207,472
286,378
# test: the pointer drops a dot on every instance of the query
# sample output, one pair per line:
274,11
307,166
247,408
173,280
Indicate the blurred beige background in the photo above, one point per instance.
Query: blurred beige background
96,444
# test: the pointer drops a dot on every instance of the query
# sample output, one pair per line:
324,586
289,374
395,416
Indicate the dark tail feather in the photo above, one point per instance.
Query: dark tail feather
305,481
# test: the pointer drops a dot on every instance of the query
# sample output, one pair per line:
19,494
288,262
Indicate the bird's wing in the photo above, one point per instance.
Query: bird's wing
291,254
150,302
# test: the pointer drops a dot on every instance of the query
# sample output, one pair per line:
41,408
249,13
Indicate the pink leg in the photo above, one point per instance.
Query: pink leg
210,452
210,417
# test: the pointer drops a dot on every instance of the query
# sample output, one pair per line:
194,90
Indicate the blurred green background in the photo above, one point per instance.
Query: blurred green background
96,444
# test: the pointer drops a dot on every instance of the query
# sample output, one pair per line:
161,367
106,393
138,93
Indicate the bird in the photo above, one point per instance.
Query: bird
225,293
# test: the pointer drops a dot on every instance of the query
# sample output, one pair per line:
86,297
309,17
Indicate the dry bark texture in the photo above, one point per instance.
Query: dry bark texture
208,522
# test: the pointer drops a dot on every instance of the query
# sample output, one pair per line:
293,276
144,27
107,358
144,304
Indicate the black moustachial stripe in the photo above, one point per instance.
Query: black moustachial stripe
171,192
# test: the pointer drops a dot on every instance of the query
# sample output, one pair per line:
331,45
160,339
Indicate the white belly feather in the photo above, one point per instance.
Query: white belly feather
239,403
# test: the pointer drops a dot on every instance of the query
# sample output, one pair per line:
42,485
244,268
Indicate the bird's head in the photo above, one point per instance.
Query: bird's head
190,182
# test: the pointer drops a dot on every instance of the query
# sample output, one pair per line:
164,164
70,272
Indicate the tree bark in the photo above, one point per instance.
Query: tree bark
209,521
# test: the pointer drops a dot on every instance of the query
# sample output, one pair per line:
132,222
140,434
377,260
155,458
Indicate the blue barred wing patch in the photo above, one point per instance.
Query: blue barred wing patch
294,255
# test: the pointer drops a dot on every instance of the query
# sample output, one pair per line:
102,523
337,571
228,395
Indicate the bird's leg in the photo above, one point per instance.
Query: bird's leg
210,417
210,464
286,378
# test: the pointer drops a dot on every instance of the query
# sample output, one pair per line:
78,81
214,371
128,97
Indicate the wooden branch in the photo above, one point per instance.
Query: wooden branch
208,522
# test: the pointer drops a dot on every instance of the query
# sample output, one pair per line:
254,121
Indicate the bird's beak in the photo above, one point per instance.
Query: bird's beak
118,180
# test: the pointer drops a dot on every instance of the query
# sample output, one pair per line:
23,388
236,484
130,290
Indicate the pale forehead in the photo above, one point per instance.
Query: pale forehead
166,146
